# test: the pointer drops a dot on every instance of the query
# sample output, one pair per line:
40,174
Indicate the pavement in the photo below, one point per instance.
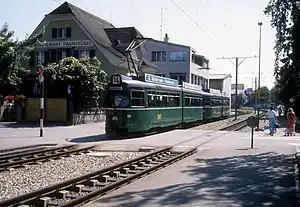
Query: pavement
225,172
14,135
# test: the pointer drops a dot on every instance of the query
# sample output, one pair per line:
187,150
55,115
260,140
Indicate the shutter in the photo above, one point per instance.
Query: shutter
68,52
92,53
59,55
46,58
68,32
54,33
53,56
31,60
76,54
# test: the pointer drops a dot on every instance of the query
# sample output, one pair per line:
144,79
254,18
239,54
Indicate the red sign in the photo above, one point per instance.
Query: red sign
41,70
9,98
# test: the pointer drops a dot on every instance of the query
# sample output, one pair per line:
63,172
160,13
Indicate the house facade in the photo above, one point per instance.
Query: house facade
71,31
178,62
221,82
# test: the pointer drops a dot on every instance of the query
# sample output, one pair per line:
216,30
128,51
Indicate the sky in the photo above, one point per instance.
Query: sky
214,28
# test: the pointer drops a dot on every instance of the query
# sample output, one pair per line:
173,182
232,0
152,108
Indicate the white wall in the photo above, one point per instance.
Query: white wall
227,87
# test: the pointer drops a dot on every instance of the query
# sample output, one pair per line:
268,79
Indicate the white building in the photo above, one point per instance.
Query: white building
178,62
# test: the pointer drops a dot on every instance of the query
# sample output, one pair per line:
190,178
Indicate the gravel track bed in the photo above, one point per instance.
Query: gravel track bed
262,124
33,177
220,124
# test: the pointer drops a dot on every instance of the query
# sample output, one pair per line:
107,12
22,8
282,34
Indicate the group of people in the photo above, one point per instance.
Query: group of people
290,121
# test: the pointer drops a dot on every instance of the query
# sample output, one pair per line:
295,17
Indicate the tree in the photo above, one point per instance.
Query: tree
84,76
285,18
274,95
262,93
11,54
241,99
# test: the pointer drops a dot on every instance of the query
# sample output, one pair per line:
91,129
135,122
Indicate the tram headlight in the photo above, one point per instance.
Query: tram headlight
114,118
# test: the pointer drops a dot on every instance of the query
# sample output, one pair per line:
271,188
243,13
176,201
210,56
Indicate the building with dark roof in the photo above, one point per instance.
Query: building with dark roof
72,31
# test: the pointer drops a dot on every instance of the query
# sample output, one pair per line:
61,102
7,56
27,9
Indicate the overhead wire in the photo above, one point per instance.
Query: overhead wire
197,24
214,9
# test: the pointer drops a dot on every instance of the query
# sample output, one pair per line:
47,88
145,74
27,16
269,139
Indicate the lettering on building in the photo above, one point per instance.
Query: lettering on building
65,44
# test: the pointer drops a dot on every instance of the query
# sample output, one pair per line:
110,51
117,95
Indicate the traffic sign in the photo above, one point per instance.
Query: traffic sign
252,121
292,100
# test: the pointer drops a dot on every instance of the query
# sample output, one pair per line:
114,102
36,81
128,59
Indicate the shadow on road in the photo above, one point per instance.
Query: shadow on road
250,180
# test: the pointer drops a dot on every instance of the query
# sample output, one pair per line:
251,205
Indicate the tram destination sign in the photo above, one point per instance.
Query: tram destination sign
65,44
160,80
191,86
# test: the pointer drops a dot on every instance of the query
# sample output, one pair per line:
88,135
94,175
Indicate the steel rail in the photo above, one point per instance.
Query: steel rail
42,157
238,125
32,152
25,148
32,196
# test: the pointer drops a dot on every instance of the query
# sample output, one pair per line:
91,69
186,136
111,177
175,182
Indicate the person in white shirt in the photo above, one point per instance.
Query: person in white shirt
271,115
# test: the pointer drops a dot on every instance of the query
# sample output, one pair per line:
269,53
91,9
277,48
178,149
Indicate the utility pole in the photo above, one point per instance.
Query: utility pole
259,57
236,64
255,95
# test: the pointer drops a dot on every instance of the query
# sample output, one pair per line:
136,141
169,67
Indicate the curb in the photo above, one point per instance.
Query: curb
297,178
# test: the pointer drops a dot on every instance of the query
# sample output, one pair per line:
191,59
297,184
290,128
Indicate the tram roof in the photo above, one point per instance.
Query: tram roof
141,84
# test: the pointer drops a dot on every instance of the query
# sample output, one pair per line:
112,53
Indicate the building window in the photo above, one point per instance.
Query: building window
84,54
178,56
159,56
178,76
58,33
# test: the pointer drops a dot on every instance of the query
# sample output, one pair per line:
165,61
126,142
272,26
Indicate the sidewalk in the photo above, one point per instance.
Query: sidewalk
21,136
228,173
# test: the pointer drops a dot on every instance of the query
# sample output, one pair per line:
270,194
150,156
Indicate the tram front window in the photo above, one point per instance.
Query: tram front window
116,100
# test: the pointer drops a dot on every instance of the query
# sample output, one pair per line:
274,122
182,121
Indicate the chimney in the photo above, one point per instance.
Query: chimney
166,39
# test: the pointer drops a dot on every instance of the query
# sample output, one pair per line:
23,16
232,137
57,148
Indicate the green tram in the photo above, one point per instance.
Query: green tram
134,105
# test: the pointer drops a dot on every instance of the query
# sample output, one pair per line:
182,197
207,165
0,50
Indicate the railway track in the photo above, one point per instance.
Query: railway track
84,189
17,159
238,125
88,187
25,148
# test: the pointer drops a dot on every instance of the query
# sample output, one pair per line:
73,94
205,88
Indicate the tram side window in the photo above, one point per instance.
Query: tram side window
137,98
165,100
151,100
187,101
176,100
207,101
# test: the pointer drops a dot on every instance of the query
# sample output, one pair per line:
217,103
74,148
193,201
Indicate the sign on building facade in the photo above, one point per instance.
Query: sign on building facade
65,44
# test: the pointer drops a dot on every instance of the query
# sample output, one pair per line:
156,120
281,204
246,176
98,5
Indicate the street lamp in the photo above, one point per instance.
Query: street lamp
258,88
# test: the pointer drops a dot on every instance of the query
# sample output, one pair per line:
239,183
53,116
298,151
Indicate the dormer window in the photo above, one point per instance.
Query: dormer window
58,33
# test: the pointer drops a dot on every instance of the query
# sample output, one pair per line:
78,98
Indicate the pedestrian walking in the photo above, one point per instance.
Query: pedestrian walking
291,122
271,115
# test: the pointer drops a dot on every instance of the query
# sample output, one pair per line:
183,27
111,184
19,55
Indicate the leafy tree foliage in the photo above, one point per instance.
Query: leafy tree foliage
84,75
11,53
274,95
285,18
262,93
241,99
